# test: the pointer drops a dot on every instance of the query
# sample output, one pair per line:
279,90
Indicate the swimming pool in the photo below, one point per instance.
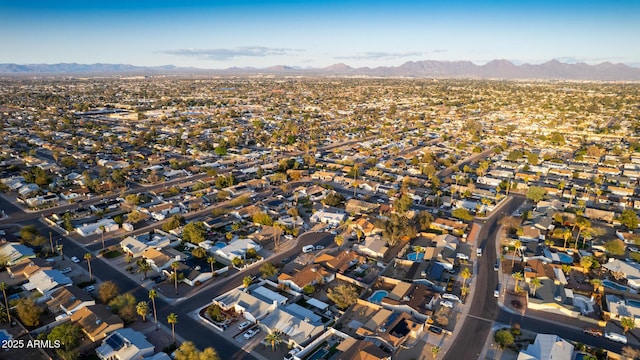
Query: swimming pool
565,258
415,256
634,303
4,335
377,296
612,285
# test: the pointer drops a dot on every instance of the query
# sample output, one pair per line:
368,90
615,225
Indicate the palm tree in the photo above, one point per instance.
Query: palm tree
3,287
566,235
172,319
153,295
518,277
355,169
418,249
279,228
88,257
174,267
627,324
246,281
535,283
582,224
596,284
339,240
359,234
516,248
143,267
102,229
211,261
274,338
465,274
142,308
435,351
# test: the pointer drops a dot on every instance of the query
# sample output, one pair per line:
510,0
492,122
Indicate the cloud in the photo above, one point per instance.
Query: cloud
226,54
384,55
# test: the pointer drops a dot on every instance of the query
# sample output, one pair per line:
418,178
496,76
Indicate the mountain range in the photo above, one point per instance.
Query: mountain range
496,69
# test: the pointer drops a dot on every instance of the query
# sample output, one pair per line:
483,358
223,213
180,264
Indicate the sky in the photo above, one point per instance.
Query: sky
252,33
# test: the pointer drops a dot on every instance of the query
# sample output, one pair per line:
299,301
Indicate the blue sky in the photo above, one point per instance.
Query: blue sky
221,34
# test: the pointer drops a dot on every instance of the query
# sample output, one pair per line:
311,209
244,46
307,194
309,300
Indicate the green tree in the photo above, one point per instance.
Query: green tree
535,193
108,291
462,214
211,261
615,247
175,222
28,312
343,295
246,281
629,219
262,218
188,351
142,308
435,351
153,294
627,324
425,219
88,257
69,336
274,338
194,232
339,240
199,252
516,248
503,338
144,267
172,320
215,313
308,289
465,274
333,199
535,284
268,269
588,262
517,277
174,266
125,306
403,203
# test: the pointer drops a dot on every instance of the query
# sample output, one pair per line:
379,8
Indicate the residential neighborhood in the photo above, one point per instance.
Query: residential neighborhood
319,218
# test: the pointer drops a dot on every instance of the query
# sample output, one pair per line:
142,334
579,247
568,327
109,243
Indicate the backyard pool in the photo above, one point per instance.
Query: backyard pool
415,256
318,354
558,257
565,259
377,296
634,303
612,285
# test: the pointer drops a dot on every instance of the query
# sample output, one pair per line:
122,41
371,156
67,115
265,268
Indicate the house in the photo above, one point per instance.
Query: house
96,228
252,308
327,217
619,308
310,275
49,199
133,247
373,246
366,227
97,321
69,299
236,248
161,259
547,347
631,271
125,344
45,281
355,206
353,349
296,329
530,233
341,262
412,298
162,211
392,327
28,267
14,253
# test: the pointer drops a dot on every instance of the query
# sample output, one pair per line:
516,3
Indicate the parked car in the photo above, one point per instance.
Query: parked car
451,297
286,260
90,288
319,247
496,266
446,303
251,333
243,325
592,331
462,256
479,252
66,270
75,259
435,329
615,337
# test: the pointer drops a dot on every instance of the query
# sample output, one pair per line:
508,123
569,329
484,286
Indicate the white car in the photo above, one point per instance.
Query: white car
75,259
451,297
251,333
462,256
243,325
446,303
66,270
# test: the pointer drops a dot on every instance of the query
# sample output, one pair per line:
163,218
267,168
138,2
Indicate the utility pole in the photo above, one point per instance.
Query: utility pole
51,242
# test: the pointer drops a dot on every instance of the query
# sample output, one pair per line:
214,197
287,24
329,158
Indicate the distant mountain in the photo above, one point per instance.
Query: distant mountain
496,69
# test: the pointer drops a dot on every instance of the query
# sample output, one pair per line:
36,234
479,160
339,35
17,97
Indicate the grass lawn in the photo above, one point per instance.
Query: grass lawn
112,254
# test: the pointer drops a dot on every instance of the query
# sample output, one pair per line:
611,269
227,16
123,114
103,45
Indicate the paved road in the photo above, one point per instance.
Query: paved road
484,308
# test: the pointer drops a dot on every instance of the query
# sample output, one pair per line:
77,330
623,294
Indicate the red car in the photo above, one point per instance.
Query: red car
593,332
